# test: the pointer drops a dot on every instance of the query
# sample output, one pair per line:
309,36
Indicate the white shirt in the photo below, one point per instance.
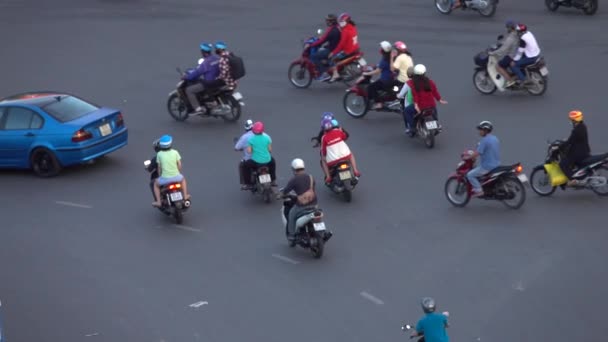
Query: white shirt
531,50
337,151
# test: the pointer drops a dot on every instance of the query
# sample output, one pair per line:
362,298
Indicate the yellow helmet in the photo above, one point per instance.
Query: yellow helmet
576,116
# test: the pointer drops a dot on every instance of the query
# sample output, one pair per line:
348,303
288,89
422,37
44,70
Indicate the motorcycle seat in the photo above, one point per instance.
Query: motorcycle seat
539,63
499,169
594,159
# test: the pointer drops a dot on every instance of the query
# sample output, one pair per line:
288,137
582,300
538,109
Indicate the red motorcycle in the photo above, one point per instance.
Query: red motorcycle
504,183
302,71
356,100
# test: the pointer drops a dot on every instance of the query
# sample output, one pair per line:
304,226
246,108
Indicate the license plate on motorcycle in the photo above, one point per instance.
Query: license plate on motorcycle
362,62
264,179
544,71
319,226
237,96
431,125
176,196
344,175
105,129
522,177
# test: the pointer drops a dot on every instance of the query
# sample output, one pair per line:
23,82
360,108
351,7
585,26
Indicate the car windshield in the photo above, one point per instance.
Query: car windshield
69,108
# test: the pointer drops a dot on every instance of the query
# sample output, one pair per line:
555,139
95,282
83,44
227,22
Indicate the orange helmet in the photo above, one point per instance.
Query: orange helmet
576,115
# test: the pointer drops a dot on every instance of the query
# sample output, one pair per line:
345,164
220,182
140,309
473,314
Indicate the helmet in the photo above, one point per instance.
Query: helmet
331,18
344,17
220,45
510,24
258,127
386,46
485,125
576,116
428,304
335,123
410,72
327,115
156,145
206,47
297,164
165,141
327,125
419,69
248,125
400,46
521,28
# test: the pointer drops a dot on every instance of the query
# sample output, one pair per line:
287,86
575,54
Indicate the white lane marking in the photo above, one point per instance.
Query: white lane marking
198,304
190,229
519,286
91,335
286,259
371,298
70,204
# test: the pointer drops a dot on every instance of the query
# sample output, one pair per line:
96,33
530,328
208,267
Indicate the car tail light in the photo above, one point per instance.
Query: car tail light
175,186
119,120
81,135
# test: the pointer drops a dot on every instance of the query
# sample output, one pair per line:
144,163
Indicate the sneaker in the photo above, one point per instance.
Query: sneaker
198,109
510,84
477,193
324,77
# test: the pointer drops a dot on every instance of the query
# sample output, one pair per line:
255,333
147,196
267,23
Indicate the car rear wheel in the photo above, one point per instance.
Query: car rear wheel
44,163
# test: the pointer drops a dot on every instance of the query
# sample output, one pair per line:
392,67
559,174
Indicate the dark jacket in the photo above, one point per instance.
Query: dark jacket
577,145
331,37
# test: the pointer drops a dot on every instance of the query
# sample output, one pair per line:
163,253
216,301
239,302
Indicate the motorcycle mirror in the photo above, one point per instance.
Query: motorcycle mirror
319,32
235,139
200,61
446,313
395,89
179,71
500,37
406,327
147,163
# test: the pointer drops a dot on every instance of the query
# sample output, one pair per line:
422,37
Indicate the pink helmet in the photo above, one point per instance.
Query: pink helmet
344,17
400,46
258,128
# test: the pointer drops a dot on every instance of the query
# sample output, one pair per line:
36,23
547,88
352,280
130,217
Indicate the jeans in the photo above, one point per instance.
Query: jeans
191,92
524,61
166,180
408,116
294,212
318,57
251,165
472,177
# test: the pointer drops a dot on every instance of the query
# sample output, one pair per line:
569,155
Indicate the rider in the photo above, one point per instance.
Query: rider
507,51
334,149
433,325
203,76
424,91
330,39
260,148
302,184
386,80
241,145
527,54
402,62
348,44
326,117
170,166
225,77
409,109
577,146
488,150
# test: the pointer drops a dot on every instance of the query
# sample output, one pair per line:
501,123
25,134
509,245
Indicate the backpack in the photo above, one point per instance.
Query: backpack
237,67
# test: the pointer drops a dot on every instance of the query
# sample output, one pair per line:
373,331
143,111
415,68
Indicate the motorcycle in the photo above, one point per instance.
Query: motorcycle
426,127
356,101
589,7
311,232
588,174
486,8
171,195
487,79
262,183
222,102
504,183
343,179
302,70
420,337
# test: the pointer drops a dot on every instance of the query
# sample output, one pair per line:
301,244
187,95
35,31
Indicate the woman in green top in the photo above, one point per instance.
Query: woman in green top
260,148
169,164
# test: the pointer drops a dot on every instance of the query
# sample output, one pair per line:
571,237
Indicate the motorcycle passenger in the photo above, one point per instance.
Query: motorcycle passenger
386,80
488,151
409,110
170,165
260,148
424,91
507,51
303,185
348,44
225,77
576,147
433,325
203,76
335,150
330,39
527,54
241,145
402,62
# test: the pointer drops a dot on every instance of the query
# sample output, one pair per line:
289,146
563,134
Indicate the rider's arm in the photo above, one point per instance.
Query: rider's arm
323,38
324,146
343,39
435,91
346,135
403,91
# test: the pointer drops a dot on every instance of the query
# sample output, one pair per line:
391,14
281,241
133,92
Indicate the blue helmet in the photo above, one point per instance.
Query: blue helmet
220,45
165,141
510,24
326,124
335,123
206,47
327,115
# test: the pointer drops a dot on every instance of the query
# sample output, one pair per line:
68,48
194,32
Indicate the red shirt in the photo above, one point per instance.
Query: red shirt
348,41
331,137
425,99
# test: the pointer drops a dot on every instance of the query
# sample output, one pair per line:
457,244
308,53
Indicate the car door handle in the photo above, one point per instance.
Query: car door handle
29,134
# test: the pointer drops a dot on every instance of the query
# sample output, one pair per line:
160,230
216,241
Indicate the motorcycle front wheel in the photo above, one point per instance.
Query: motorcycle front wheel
591,8
483,83
489,10
456,191
299,76
350,73
177,108
513,185
602,172
235,109
552,5
541,182
355,105
444,6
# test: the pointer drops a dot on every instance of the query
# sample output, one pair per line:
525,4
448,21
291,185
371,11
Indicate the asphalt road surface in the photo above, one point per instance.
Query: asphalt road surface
84,256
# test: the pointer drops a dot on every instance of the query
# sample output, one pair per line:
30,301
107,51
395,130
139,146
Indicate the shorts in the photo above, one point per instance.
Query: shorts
505,62
168,180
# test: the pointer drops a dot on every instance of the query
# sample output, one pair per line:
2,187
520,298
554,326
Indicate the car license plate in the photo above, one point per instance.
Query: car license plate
237,96
176,196
431,125
264,179
362,62
319,226
105,129
522,177
544,71
344,175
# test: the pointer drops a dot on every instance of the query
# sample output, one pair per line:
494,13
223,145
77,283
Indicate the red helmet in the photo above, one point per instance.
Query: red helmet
258,128
344,17
400,46
522,28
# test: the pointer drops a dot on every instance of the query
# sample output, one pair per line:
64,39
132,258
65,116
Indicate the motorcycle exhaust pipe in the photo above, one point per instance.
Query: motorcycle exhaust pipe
187,203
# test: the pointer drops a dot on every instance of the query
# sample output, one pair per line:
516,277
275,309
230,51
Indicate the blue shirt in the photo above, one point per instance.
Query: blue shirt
259,145
488,150
243,143
209,70
385,70
433,326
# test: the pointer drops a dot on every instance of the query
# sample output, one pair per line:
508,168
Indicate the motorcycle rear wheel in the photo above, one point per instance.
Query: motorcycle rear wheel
591,8
178,214
443,6
540,84
552,5
317,245
540,174
351,73
603,171
460,188
357,101
235,109
514,185
490,10
299,76
177,108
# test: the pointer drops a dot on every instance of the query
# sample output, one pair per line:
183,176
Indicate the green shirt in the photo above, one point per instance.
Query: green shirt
168,162
259,144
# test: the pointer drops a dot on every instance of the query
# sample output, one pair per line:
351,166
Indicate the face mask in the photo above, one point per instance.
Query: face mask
342,23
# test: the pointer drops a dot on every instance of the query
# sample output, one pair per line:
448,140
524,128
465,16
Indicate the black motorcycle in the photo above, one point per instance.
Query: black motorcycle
589,7
262,183
426,127
591,174
171,195
343,179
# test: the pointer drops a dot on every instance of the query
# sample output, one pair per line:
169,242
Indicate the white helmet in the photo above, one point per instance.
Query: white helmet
386,46
419,69
297,164
248,124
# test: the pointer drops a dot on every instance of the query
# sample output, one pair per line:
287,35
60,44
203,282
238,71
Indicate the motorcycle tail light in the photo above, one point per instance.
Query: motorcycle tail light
175,186
343,167
519,168
317,217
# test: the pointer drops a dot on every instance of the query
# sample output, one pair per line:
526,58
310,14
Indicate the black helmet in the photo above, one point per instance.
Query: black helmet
156,145
485,125
331,18
428,304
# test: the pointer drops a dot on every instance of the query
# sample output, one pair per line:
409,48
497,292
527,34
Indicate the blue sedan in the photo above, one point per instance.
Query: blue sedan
45,131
